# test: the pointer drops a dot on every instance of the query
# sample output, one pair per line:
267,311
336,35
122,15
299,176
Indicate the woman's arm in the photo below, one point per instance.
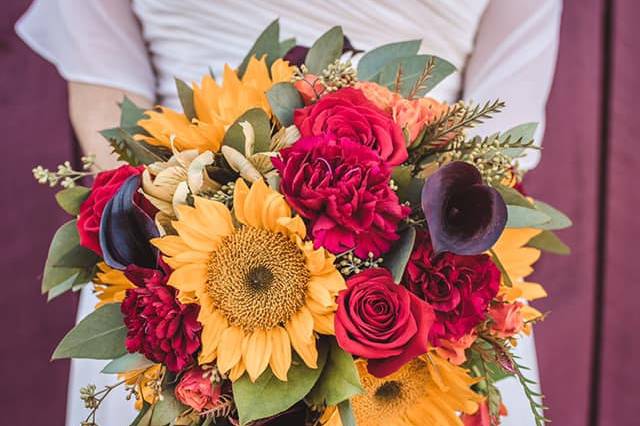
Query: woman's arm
92,108
514,59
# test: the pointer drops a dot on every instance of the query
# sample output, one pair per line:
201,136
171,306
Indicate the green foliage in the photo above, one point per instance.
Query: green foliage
185,94
339,380
398,257
127,362
325,50
261,129
548,241
269,396
130,150
162,413
512,197
286,45
346,414
523,134
409,187
414,76
71,199
523,217
284,100
100,335
558,219
68,264
130,114
268,43
372,62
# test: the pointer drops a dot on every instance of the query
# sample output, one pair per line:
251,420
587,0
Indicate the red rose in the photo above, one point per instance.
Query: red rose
342,188
458,287
158,325
104,188
197,391
348,113
382,321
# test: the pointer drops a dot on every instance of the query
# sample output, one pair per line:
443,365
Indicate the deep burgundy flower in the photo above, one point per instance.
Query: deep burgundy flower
159,326
382,321
348,113
342,188
459,288
104,188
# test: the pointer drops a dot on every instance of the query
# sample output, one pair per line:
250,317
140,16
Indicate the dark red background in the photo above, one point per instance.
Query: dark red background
588,347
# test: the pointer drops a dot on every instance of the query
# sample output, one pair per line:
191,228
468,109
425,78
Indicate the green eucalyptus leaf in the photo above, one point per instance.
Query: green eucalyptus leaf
100,335
548,241
185,94
62,288
284,100
71,199
58,271
409,187
410,69
130,150
398,257
372,62
130,114
127,362
325,50
558,219
286,45
523,217
523,132
513,197
261,129
269,396
166,410
339,380
268,43
346,414
142,419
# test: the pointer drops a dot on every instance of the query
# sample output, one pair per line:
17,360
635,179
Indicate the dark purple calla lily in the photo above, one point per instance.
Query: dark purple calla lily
126,227
297,54
464,215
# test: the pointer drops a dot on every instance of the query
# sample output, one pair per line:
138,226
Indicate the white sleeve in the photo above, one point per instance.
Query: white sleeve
90,41
514,59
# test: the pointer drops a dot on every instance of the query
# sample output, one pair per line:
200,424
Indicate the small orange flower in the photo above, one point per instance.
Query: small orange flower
454,350
508,319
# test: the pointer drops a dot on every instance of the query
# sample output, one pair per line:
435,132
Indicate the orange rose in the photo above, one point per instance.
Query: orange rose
197,391
380,96
415,114
453,350
310,88
507,319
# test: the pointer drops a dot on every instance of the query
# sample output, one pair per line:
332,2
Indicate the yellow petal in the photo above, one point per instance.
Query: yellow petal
280,360
318,292
194,238
216,216
211,334
257,354
187,257
191,277
291,226
254,203
171,245
324,324
230,348
237,371
240,192
275,207
300,329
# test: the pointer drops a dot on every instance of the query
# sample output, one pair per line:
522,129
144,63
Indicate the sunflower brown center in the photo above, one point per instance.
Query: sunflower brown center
389,390
257,278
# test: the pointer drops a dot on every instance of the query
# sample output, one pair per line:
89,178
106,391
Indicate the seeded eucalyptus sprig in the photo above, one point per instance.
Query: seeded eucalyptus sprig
65,176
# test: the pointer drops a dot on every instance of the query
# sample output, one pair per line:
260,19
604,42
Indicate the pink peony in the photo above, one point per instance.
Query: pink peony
458,287
159,326
342,188
197,391
348,113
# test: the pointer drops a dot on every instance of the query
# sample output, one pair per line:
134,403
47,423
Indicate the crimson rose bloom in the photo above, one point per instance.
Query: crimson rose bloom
348,113
159,326
104,188
342,188
459,288
382,321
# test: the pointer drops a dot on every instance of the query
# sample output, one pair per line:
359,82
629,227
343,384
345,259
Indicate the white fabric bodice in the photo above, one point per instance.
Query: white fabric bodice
209,34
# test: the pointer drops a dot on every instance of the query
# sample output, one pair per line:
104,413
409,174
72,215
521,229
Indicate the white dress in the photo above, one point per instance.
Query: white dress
502,48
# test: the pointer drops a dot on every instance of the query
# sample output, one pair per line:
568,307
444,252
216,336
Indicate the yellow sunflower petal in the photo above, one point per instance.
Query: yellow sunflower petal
318,292
171,245
230,348
257,354
300,329
240,192
216,215
237,371
189,277
187,257
212,330
280,360
254,203
291,226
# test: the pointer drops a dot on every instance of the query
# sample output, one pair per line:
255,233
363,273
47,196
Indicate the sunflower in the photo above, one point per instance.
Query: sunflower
262,289
216,107
426,391
110,285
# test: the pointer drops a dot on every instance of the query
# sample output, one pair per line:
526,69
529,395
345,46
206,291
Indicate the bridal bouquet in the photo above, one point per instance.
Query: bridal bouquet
306,243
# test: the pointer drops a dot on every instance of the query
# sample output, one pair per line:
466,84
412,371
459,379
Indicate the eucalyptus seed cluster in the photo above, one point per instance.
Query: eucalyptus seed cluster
350,264
223,195
338,75
487,155
64,175
88,396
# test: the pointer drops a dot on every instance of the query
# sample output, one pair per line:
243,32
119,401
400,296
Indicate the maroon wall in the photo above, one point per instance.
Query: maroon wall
596,81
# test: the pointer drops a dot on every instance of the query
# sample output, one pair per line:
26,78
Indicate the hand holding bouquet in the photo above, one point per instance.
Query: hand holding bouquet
306,243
